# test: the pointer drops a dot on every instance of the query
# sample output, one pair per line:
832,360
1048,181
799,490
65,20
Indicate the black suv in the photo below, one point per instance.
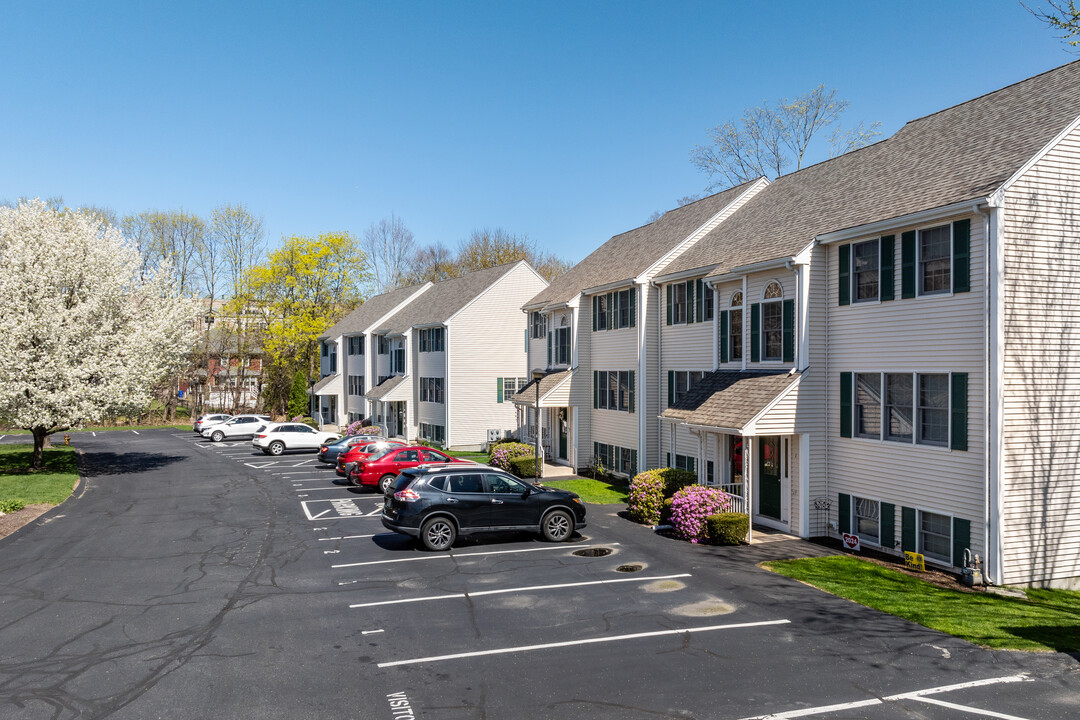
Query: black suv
438,503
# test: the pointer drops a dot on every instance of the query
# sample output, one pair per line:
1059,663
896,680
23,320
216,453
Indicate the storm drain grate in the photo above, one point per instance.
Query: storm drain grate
630,567
593,552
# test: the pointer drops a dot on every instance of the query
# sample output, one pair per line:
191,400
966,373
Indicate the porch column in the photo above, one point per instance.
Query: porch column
749,448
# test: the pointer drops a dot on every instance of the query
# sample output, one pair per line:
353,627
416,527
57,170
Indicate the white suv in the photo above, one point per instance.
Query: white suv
276,438
238,426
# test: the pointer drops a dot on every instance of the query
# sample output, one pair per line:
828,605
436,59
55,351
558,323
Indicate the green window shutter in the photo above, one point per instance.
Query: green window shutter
670,388
595,389
908,540
633,462
693,465
846,407
789,331
668,458
907,264
633,307
961,540
595,319
844,514
631,393
724,329
668,304
499,389
845,274
690,302
549,336
612,300
961,256
700,285
755,332
958,389
888,526
887,284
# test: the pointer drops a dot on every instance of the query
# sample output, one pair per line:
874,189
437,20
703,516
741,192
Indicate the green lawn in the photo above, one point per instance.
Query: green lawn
480,457
1047,620
52,484
106,428
598,492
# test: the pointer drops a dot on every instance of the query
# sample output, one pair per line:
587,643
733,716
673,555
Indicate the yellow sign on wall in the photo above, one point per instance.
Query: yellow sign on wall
915,561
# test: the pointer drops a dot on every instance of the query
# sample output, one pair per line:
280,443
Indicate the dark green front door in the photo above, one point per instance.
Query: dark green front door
769,477
562,433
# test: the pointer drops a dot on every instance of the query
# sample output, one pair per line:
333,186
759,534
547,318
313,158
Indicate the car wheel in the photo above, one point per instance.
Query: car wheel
438,534
385,482
217,436
276,448
557,526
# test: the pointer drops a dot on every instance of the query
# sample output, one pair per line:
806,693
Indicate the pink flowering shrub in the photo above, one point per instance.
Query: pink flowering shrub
369,430
500,457
646,497
691,505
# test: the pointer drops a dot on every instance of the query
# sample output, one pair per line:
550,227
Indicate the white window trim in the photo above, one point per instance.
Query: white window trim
914,408
854,526
918,535
852,292
918,261
780,300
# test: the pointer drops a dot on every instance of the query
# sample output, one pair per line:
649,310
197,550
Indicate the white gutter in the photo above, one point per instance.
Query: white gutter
916,218
642,381
743,270
686,274
618,284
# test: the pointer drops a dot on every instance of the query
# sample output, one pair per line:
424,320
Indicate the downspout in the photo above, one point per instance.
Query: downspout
642,379
660,310
745,323
994,367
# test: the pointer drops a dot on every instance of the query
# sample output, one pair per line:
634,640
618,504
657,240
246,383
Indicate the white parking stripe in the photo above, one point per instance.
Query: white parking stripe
529,588
135,431
916,695
572,643
449,556
969,709
370,632
354,537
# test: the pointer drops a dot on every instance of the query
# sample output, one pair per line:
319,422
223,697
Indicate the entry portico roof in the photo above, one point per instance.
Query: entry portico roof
385,390
551,382
321,387
727,399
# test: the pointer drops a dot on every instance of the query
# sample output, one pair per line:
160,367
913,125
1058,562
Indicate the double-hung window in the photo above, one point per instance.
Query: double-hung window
933,409
397,358
898,399
538,322
602,312
864,271
431,390
866,519
614,390
736,324
356,384
431,340
356,345
935,260
678,303
562,346
621,309
384,345
707,302
868,405
935,536
772,322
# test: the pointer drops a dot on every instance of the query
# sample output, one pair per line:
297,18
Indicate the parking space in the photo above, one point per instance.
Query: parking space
617,623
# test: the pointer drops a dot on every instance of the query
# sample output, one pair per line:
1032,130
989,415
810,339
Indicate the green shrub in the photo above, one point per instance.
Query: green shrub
10,506
501,455
665,512
728,528
675,480
523,467
645,497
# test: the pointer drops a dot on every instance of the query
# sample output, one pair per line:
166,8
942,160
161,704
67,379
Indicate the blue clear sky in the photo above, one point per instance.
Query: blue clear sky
569,121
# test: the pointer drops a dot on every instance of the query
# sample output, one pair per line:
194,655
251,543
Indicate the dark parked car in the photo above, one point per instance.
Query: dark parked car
442,502
329,452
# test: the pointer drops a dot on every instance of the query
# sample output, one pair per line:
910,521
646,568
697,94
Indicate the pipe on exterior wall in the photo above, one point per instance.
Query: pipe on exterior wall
994,387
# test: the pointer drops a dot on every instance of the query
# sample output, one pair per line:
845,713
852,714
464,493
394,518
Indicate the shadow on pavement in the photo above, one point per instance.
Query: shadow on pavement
110,463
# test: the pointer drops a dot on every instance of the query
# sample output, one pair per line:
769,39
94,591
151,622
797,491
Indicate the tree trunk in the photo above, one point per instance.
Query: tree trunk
41,441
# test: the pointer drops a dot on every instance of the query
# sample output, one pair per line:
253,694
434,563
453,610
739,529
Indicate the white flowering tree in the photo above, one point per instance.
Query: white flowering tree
85,330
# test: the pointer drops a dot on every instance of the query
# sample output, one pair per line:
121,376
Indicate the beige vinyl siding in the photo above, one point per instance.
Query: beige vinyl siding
1041,477
780,419
578,391
932,334
559,397
612,350
686,443
353,365
687,345
649,386
483,342
537,349
429,364
815,392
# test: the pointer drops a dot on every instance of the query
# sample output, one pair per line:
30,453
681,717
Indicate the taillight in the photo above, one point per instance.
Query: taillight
407,495
322,449
260,436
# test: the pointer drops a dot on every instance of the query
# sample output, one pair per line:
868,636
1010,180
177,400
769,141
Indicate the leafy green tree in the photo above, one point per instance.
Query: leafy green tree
298,397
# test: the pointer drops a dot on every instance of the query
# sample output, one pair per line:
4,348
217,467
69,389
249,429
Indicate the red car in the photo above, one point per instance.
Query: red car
382,469
347,459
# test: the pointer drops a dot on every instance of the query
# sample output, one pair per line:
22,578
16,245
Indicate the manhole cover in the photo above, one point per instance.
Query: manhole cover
593,552
630,567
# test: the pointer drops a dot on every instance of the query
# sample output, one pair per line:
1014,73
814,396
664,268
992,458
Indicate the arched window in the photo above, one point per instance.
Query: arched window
735,326
772,322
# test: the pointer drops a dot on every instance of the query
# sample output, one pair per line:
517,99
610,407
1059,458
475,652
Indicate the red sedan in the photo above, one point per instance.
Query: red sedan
347,459
382,469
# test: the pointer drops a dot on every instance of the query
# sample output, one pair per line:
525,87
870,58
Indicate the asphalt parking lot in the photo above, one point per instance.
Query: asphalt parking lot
190,579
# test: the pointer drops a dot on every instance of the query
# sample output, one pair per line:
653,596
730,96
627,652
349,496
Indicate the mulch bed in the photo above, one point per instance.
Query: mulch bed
934,577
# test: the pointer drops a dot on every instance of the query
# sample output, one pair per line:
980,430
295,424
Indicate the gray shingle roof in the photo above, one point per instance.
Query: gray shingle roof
527,394
364,316
629,254
730,399
380,390
965,152
445,298
323,383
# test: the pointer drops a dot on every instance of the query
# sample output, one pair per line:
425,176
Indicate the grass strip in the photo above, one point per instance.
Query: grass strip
1047,620
52,484
598,492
